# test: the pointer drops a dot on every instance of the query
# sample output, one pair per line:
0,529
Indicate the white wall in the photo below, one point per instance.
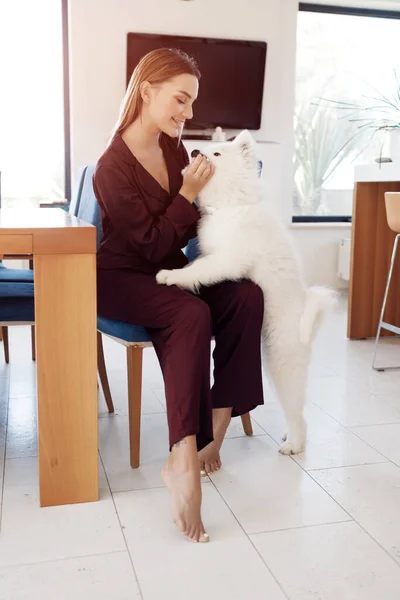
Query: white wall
318,245
98,31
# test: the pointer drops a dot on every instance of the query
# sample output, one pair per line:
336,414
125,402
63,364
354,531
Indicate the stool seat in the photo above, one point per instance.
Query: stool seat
392,202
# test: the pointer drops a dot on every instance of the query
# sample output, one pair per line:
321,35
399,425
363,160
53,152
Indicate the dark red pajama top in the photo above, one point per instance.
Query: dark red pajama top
144,226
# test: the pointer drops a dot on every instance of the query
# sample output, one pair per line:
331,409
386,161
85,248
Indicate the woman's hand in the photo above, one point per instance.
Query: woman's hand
195,177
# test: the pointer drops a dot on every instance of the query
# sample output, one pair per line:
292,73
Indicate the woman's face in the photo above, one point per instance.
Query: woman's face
169,104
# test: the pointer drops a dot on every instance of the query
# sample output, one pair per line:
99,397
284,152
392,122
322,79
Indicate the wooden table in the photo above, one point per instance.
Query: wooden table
63,250
371,250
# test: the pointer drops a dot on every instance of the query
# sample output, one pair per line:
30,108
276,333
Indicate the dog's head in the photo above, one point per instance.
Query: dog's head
236,171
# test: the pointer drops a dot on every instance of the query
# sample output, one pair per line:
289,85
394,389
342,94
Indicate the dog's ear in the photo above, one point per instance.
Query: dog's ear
245,142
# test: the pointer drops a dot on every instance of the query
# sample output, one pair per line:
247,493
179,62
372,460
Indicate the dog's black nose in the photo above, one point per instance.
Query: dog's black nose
194,153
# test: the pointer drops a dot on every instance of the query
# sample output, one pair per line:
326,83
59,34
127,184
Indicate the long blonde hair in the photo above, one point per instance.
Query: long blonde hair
155,67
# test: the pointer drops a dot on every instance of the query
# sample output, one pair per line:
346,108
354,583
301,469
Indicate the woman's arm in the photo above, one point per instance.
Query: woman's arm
154,238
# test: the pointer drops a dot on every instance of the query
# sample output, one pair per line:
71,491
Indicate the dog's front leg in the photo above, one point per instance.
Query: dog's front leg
206,271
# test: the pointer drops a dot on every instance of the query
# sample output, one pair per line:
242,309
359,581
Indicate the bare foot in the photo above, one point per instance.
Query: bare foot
181,476
209,456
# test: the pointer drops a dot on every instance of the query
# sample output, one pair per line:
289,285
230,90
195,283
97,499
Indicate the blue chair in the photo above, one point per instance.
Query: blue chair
133,337
11,276
16,308
14,276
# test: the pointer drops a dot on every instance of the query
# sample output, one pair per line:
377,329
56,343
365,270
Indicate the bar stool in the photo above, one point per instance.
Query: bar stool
392,202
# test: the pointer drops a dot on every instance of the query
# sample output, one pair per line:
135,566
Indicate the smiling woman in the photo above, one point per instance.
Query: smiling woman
146,191
31,102
174,100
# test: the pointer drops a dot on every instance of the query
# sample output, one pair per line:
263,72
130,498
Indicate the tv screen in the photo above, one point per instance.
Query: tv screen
232,77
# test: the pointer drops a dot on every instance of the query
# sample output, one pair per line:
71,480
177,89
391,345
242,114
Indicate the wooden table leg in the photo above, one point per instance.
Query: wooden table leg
65,317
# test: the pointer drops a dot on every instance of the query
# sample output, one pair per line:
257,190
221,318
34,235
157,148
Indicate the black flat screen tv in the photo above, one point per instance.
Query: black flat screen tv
232,77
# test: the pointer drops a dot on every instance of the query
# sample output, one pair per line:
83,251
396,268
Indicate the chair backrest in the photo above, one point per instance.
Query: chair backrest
89,209
76,200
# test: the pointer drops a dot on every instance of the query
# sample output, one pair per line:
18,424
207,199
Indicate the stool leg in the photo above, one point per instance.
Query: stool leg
381,321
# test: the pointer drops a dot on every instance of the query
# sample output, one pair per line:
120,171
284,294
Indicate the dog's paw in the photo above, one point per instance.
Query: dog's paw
162,277
176,277
187,284
292,447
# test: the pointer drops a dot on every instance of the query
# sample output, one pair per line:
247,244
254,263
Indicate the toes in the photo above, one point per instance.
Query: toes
199,535
203,537
212,467
207,468
194,534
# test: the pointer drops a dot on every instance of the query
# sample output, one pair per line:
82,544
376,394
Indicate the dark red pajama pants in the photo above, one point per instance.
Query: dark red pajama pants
180,325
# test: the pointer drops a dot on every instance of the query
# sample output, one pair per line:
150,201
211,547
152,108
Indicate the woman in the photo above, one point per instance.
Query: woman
148,216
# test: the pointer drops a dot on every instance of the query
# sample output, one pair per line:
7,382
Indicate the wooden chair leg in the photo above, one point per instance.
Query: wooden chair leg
246,422
101,366
33,341
135,361
6,344
1,334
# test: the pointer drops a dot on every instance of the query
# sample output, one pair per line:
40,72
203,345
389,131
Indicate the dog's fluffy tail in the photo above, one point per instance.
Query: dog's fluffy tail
319,300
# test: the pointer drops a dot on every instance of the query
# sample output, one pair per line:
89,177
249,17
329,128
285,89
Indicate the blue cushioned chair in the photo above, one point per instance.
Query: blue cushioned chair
16,308
12,276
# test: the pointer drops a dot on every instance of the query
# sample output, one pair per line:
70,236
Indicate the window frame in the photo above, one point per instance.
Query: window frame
355,12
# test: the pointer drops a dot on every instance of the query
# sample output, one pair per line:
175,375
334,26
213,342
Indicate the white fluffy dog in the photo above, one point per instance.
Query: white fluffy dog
241,237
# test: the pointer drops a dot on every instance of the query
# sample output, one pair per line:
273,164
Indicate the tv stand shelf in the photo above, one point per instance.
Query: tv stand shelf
197,136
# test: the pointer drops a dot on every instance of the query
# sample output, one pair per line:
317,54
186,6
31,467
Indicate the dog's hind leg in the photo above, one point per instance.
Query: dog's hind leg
288,372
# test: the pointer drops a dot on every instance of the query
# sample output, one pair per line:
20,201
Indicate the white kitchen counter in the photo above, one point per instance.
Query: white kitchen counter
377,172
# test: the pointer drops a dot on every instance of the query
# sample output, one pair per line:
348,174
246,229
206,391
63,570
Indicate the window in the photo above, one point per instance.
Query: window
32,107
346,68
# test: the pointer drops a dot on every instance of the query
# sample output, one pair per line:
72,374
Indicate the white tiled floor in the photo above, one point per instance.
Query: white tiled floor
322,525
